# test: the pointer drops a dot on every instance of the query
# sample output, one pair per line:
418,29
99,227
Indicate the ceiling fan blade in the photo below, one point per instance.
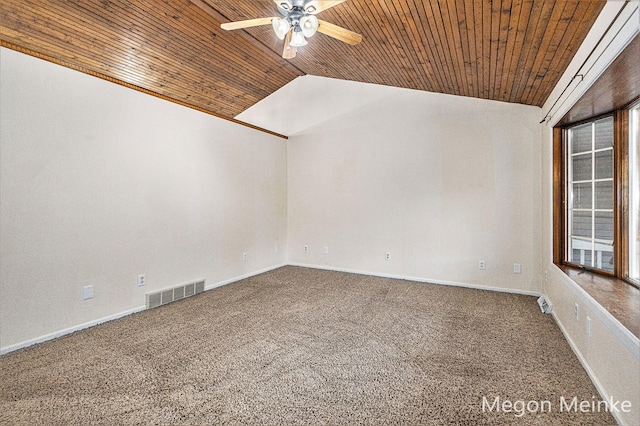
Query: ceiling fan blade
246,24
289,52
339,33
321,5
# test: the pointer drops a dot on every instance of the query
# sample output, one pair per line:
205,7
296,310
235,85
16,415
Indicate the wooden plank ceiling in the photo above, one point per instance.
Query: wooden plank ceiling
506,50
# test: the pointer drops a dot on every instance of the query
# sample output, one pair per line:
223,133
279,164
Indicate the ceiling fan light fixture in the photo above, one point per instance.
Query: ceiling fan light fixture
297,38
280,27
309,25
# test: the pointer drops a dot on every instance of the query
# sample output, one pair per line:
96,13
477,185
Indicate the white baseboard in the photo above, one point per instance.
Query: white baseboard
60,333
418,279
69,330
615,327
592,375
73,329
618,331
242,277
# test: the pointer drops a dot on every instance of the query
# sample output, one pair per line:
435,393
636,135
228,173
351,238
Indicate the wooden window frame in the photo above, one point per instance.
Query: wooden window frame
621,194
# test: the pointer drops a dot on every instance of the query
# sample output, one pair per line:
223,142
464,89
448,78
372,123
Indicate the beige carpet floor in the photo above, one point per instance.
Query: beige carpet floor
301,346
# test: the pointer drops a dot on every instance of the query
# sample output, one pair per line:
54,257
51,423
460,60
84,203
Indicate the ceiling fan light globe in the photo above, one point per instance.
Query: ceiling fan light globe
297,39
280,27
309,25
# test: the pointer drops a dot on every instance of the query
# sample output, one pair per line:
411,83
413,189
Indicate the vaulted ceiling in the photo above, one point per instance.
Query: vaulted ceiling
506,50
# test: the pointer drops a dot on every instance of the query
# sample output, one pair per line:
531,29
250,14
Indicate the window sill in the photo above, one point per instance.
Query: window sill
619,298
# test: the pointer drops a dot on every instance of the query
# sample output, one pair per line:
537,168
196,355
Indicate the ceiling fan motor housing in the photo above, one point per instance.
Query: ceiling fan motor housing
295,15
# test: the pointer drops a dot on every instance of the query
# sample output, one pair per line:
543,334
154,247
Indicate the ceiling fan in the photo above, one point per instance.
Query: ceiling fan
299,23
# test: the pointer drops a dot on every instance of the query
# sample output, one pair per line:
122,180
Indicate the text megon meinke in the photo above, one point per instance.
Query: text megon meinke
520,407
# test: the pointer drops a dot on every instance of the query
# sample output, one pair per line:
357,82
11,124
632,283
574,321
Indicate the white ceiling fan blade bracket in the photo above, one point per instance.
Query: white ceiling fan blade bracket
284,12
316,6
283,4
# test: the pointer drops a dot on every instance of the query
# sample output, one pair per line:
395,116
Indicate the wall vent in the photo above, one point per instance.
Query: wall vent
544,305
169,295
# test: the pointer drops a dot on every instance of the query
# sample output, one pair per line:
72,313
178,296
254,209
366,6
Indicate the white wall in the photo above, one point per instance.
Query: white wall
438,181
100,183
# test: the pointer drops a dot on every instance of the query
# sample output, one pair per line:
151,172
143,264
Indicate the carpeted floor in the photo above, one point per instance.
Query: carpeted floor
302,346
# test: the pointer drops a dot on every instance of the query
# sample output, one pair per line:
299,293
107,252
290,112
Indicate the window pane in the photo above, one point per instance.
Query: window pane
581,253
604,164
604,257
634,193
581,167
580,137
604,226
604,133
582,196
590,194
581,224
604,195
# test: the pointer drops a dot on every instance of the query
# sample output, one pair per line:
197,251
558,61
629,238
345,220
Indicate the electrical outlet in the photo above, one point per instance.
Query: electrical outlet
588,326
517,268
87,292
325,251
276,248
576,309
482,265
306,249
244,256
387,256
140,280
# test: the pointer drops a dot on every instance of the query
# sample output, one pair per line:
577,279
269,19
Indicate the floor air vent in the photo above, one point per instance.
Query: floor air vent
169,295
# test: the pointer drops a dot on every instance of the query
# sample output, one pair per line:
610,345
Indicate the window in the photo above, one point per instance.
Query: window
634,194
589,194
597,194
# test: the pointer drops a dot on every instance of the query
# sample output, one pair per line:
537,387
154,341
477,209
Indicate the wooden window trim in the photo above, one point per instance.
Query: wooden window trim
558,197
621,170
621,196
